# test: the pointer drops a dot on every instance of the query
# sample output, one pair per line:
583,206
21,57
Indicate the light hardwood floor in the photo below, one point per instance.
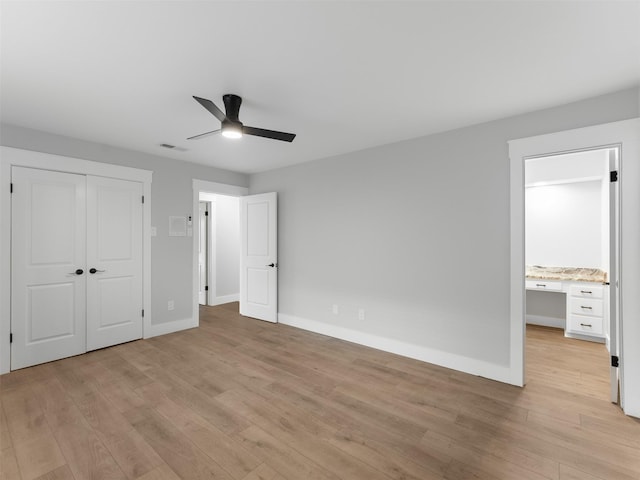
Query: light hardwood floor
243,399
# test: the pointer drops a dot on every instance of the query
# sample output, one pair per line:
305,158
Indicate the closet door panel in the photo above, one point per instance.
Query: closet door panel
48,271
114,261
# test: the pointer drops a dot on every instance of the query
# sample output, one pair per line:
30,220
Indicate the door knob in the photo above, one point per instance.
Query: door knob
77,272
272,265
95,270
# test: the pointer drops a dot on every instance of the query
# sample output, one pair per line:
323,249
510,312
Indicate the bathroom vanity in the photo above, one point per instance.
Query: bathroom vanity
586,293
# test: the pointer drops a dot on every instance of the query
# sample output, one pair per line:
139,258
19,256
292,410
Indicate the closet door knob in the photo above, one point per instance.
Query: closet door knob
79,271
95,270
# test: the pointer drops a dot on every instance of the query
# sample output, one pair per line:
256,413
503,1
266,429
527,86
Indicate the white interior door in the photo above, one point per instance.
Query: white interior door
114,261
202,254
258,256
48,270
614,285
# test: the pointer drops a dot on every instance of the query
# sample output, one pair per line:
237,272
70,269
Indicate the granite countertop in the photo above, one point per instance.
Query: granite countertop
574,274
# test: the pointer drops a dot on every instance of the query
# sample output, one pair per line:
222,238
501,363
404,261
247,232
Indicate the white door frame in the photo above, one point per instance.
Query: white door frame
9,157
210,199
207,251
626,134
203,186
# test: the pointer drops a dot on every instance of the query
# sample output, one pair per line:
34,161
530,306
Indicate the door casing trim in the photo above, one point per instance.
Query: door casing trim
625,133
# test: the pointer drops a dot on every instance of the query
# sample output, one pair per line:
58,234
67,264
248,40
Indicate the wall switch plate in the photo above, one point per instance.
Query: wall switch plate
170,305
334,309
154,231
361,314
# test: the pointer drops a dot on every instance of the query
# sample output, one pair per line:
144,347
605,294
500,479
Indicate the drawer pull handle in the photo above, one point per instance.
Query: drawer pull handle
541,285
587,308
586,291
586,324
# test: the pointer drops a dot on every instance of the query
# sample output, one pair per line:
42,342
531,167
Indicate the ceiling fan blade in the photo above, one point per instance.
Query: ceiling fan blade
261,132
202,135
211,107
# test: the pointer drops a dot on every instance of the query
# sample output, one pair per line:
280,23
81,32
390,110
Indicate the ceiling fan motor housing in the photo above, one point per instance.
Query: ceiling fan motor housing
232,106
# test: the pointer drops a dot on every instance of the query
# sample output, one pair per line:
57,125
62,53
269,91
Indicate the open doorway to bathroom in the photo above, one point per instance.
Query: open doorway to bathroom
570,265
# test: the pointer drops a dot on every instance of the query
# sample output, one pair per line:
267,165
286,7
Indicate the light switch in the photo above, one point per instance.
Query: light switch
154,231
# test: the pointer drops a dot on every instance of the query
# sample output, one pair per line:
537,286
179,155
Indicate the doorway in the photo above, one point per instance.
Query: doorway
209,193
219,249
570,262
626,136
258,263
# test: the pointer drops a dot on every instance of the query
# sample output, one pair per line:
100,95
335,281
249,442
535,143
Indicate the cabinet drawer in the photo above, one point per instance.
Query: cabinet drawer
587,291
543,285
586,306
585,325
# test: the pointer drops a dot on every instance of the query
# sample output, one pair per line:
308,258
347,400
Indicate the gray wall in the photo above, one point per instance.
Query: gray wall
171,192
547,304
416,233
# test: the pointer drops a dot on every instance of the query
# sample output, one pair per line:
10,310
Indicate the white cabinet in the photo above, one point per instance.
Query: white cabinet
586,310
586,307
584,325
547,285
587,291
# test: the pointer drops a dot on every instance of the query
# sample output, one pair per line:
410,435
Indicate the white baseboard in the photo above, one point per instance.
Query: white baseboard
224,299
493,371
546,321
169,327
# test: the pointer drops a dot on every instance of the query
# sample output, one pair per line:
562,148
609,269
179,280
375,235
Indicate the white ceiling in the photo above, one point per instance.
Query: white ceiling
343,76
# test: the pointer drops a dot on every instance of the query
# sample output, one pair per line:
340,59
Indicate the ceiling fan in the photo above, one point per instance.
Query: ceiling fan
231,126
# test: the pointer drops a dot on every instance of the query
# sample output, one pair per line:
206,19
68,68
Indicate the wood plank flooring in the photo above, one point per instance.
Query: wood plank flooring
240,399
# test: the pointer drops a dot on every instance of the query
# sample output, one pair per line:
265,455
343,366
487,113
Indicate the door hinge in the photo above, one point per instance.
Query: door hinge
11,338
143,313
206,214
142,198
613,176
615,361
206,289
11,188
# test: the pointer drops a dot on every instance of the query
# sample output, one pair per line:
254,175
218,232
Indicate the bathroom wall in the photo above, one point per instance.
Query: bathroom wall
567,222
564,225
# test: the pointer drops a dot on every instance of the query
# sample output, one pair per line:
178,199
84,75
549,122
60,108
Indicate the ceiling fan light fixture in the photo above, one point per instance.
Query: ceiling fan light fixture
231,126
232,130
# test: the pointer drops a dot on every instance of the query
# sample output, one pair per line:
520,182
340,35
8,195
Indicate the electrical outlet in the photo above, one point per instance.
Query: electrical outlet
170,305
361,314
335,309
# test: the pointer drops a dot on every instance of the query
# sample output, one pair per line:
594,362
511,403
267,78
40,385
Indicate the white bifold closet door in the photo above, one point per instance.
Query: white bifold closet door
76,260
